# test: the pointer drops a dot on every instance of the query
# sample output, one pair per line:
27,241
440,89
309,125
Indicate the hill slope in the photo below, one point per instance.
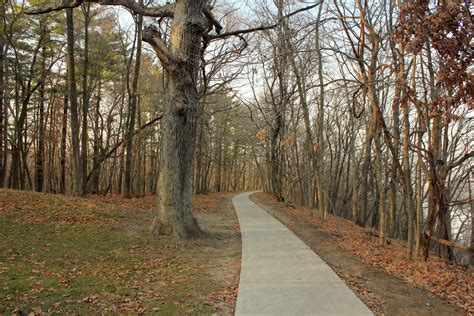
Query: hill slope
380,276
74,255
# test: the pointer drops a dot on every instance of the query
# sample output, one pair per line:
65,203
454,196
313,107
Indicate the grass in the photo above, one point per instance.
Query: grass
68,255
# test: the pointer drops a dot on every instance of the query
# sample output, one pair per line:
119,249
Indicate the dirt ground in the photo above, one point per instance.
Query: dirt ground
220,253
382,292
217,254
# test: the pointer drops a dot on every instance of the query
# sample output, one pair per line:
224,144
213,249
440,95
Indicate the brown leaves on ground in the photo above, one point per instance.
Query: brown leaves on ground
369,298
452,282
41,208
226,296
141,203
205,203
209,203
83,255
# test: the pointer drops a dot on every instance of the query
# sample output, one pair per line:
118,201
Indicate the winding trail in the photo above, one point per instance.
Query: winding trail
280,275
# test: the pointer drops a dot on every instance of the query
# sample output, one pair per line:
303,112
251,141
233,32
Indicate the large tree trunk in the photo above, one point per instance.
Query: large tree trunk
181,116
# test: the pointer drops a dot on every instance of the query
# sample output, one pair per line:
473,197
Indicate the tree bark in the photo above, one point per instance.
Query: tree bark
2,107
181,115
365,170
62,183
471,257
72,96
132,111
85,100
40,154
380,189
320,186
95,177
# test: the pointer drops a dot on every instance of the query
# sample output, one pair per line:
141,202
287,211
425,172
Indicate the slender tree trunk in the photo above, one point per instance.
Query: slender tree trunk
72,96
380,188
40,154
311,153
471,256
132,111
2,107
25,171
97,152
52,135
199,157
18,163
365,170
280,64
320,152
141,157
399,73
15,166
62,184
433,203
355,204
218,155
396,142
419,207
85,99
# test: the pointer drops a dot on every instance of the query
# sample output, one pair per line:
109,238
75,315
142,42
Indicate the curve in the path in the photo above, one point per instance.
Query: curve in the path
280,275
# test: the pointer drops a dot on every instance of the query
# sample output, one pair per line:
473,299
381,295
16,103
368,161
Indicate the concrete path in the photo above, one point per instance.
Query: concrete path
280,275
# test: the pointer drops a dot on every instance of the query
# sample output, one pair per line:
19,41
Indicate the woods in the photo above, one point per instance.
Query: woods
386,124
362,110
130,128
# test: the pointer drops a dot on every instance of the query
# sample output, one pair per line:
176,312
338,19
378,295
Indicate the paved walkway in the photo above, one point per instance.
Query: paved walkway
280,275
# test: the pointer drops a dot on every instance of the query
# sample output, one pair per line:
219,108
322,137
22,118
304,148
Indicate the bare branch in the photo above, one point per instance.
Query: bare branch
114,148
163,11
152,36
212,19
456,163
450,243
262,27
54,8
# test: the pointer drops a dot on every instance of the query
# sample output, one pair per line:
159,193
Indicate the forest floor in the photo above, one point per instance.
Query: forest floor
381,278
61,254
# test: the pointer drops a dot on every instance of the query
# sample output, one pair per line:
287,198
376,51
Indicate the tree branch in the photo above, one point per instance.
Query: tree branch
163,11
457,163
152,36
212,19
262,27
452,244
118,144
